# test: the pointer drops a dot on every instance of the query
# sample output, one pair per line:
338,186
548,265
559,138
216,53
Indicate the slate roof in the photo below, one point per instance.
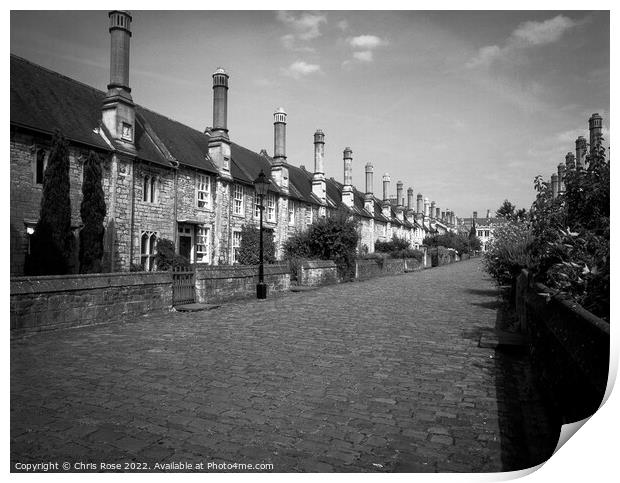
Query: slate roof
44,101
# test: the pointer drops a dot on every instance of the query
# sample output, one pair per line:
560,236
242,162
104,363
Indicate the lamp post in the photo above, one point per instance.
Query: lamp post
261,184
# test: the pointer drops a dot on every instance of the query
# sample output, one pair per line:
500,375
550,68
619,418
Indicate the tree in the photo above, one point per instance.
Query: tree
460,241
507,210
92,211
248,253
166,257
51,244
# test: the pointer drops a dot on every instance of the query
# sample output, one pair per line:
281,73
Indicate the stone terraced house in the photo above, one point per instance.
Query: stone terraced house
163,179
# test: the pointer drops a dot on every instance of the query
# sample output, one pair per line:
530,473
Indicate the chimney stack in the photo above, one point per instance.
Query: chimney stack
432,210
318,178
400,199
386,206
279,168
488,213
475,215
410,206
118,109
427,207
580,152
347,189
570,161
368,196
219,144
554,185
561,172
437,213
596,130
419,204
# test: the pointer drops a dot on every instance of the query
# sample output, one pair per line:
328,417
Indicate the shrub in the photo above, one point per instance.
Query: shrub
52,243
460,241
509,251
166,258
92,211
408,253
395,244
248,253
330,238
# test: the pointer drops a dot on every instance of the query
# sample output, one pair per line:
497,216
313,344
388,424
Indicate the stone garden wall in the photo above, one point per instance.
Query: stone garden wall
57,301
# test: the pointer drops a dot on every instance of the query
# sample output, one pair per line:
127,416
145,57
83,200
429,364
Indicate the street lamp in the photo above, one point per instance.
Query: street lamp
261,184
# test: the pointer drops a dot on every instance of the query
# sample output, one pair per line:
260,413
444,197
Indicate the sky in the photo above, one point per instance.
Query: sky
466,107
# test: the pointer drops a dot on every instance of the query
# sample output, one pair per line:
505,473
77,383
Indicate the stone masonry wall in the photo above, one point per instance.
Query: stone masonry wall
52,302
318,272
225,282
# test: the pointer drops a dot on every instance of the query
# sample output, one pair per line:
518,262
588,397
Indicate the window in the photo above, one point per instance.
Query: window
40,163
203,191
149,189
308,215
271,208
291,212
147,250
480,232
236,244
238,200
203,244
486,233
256,206
127,132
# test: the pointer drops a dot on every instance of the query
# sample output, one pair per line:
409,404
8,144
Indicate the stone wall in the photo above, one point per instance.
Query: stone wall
52,302
318,272
217,283
365,269
569,349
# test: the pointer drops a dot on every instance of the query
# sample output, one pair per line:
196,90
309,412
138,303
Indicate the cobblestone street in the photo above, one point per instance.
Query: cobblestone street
382,375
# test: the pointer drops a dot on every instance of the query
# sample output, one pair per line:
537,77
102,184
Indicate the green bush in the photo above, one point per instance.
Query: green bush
331,238
394,245
248,253
408,253
92,212
166,258
460,241
572,235
509,251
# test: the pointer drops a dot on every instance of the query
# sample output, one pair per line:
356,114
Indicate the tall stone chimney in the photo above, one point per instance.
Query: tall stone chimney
400,198
118,113
561,173
368,195
318,178
443,216
432,210
386,206
488,213
219,144
596,130
347,188
279,168
475,215
580,152
427,208
570,161
438,213
410,205
554,185
419,204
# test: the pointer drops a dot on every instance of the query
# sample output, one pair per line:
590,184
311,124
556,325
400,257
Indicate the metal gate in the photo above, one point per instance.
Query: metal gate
183,288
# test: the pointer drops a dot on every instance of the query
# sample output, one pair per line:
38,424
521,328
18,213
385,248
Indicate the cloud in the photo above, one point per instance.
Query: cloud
304,27
299,69
366,42
363,56
526,35
343,25
363,47
539,33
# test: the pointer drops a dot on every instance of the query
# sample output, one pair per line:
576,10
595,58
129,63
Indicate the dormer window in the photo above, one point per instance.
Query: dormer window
127,133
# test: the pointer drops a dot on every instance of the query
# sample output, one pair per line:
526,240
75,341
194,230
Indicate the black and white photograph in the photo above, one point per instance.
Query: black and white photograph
309,241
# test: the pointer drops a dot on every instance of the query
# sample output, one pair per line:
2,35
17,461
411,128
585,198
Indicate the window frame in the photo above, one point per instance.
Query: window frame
147,258
236,234
206,199
238,205
206,254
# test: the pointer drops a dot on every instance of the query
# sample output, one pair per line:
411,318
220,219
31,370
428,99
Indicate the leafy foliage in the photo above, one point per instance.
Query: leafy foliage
165,256
509,251
572,234
248,253
509,211
394,245
52,243
330,238
92,211
458,241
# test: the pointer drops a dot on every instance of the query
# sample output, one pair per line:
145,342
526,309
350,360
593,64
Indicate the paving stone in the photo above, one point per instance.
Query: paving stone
339,378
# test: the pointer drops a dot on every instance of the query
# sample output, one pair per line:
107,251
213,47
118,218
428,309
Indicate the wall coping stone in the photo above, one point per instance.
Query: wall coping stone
310,264
91,281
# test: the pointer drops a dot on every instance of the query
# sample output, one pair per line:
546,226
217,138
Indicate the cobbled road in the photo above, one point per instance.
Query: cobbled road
381,375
